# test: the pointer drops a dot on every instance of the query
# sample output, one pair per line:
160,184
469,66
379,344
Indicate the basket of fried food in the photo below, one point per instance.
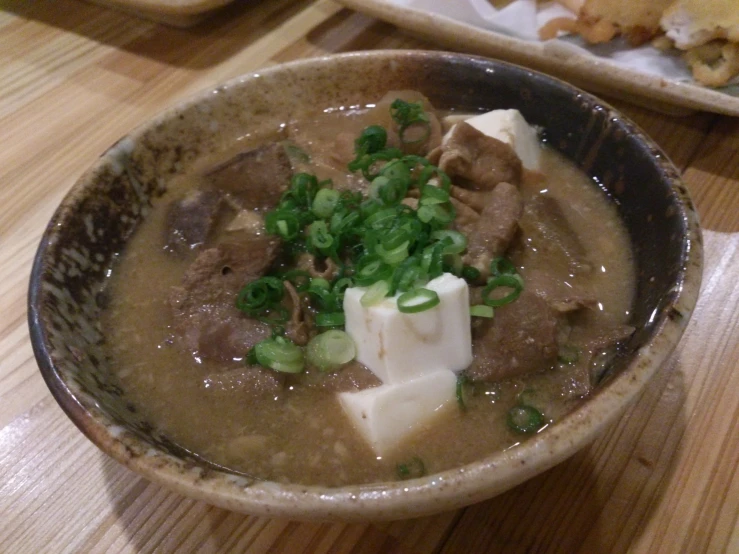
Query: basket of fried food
706,31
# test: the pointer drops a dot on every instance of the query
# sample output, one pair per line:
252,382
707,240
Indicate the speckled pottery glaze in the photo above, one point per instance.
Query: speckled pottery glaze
91,227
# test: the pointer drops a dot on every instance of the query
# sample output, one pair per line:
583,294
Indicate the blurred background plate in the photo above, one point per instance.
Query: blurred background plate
556,57
179,13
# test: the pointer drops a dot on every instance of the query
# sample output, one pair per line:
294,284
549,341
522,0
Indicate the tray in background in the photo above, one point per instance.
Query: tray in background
556,58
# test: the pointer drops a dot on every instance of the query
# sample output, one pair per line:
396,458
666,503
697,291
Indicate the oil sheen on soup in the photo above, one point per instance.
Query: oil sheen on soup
185,353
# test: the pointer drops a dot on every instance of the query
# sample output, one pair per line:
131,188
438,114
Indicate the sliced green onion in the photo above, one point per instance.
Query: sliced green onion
417,300
303,188
411,470
368,162
393,191
394,256
327,299
481,310
524,419
375,294
371,268
340,286
470,274
431,195
462,390
330,319
502,266
395,238
372,139
430,172
342,223
431,260
319,236
454,241
319,283
279,354
325,202
397,169
408,275
513,282
283,223
259,296
330,350
438,215
381,219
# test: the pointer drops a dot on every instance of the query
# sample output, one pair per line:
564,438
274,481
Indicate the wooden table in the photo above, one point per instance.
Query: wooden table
74,77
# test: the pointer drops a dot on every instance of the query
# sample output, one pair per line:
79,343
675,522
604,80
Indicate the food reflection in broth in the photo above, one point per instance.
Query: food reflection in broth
180,345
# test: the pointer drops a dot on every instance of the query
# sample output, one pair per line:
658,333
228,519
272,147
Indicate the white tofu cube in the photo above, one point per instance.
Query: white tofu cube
510,126
389,414
399,347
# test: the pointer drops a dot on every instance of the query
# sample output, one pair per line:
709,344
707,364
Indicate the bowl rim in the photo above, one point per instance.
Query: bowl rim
433,493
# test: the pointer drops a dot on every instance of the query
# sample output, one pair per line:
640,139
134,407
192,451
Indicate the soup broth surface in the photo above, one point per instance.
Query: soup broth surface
302,436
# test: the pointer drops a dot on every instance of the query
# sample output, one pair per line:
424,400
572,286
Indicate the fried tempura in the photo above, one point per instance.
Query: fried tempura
707,30
601,20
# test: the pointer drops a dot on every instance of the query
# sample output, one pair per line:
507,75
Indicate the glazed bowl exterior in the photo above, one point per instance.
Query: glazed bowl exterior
94,222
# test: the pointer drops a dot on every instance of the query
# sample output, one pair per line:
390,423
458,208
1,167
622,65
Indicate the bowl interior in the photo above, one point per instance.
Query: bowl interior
91,227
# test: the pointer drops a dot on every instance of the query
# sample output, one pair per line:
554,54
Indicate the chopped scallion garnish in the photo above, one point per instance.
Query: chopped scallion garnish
514,283
260,296
524,419
377,241
330,350
280,354
375,294
462,391
330,319
412,469
417,300
325,203
481,310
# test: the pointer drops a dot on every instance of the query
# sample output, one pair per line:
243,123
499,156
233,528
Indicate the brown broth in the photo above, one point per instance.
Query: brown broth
303,437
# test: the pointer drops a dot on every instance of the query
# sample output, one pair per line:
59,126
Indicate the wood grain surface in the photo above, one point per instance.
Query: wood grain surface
75,77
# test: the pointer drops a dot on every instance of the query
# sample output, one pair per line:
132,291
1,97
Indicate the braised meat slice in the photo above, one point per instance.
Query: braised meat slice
206,320
474,199
559,292
192,219
520,339
257,178
476,161
545,223
495,229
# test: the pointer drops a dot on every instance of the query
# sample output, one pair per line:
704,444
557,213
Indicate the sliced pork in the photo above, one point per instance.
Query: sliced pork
520,339
256,178
206,320
476,161
192,219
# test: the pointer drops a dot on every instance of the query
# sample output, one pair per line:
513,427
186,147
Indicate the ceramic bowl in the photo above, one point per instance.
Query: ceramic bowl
99,214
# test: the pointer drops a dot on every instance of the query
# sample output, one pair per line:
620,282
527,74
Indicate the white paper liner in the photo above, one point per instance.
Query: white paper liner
522,19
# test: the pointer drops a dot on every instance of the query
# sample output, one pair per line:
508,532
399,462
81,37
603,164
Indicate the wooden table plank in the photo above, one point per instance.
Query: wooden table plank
76,77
